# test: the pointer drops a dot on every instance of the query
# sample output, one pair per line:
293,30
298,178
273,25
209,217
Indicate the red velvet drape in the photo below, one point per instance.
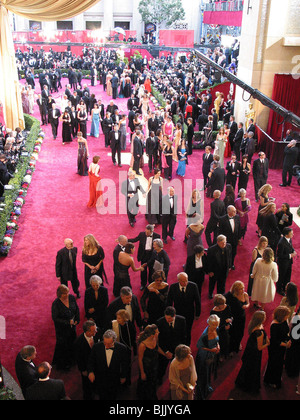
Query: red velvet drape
286,92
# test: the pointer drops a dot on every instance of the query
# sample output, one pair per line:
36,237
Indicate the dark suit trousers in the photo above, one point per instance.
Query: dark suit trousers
286,171
284,275
136,164
211,228
115,92
258,183
147,273
116,150
220,281
54,126
168,225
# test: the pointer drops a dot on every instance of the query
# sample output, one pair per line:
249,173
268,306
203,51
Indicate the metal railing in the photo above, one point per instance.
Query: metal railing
224,6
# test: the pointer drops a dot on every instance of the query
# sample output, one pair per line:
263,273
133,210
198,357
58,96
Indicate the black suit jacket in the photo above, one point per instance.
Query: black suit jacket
63,267
113,141
142,239
53,120
190,268
232,173
215,263
190,306
26,373
290,157
108,377
169,338
225,229
82,353
284,250
217,210
166,206
217,180
206,163
132,203
239,136
50,390
117,304
99,305
256,169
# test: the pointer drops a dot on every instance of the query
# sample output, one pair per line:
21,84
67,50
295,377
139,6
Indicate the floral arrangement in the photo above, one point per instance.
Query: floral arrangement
14,199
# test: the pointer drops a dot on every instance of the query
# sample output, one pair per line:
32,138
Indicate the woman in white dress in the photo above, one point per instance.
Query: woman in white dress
220,145
265,275
30,93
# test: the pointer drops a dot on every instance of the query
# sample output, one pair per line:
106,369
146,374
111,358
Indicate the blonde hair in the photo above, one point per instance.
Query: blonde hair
268,255
238,285
265,189
93,246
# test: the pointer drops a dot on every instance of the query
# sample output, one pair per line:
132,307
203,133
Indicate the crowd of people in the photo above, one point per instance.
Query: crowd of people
156,330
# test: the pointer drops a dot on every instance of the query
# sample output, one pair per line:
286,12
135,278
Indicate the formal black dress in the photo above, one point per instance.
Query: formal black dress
65,333
292,359
154,304
224,335
239,320
154,204
99,303
82,165
279,333
249,377
93,260
122,278
146,390
66,130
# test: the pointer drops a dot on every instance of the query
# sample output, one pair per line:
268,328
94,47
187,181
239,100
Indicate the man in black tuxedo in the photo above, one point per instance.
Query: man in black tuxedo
169,214
145,250
250,147
74,122
46,389
130,189
290,159
153,123
216,180
130,303
102,112
232,169
172,332
233,127
260,172
138,151
83,348
217,210
184,296
285,257
219,263
207,158
132,102
115,144
53,118
108,366
230,226
107,127
251,128
43,109
25,368
65,266
202,120
237,141
114,84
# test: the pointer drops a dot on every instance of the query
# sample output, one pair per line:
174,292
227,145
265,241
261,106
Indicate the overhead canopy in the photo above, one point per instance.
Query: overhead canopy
41,10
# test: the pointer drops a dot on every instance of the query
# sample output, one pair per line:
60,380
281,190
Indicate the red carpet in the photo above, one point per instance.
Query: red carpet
56,208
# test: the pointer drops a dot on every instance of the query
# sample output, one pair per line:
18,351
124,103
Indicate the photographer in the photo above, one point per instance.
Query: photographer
4,174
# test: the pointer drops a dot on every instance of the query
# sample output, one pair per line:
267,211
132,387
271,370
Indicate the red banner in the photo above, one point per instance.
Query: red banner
177,38
223,18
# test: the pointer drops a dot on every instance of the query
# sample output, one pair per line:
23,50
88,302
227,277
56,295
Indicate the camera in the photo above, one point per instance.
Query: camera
296,173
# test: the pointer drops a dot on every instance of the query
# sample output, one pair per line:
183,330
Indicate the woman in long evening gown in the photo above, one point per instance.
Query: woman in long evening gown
148,351
227,152
92,257
193,234
249,377
95,121
154,198
108,84
177,141
182,375
244,172
220,145
83,154
95,183
123,130
66,128
182,158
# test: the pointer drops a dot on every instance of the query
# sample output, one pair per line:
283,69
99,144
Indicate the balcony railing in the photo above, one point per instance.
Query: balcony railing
224,6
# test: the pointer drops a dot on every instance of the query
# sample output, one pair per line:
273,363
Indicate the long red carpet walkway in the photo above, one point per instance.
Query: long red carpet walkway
56,208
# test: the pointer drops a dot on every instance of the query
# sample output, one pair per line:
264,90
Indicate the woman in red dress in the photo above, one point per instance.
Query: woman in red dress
227,152
95,184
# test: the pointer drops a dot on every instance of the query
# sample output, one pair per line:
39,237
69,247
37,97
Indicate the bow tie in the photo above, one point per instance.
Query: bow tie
231,218
111,349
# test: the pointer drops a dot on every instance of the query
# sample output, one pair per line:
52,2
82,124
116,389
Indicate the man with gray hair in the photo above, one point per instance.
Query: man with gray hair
66,266
219,262
108,366
130,189
290,159
25,368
